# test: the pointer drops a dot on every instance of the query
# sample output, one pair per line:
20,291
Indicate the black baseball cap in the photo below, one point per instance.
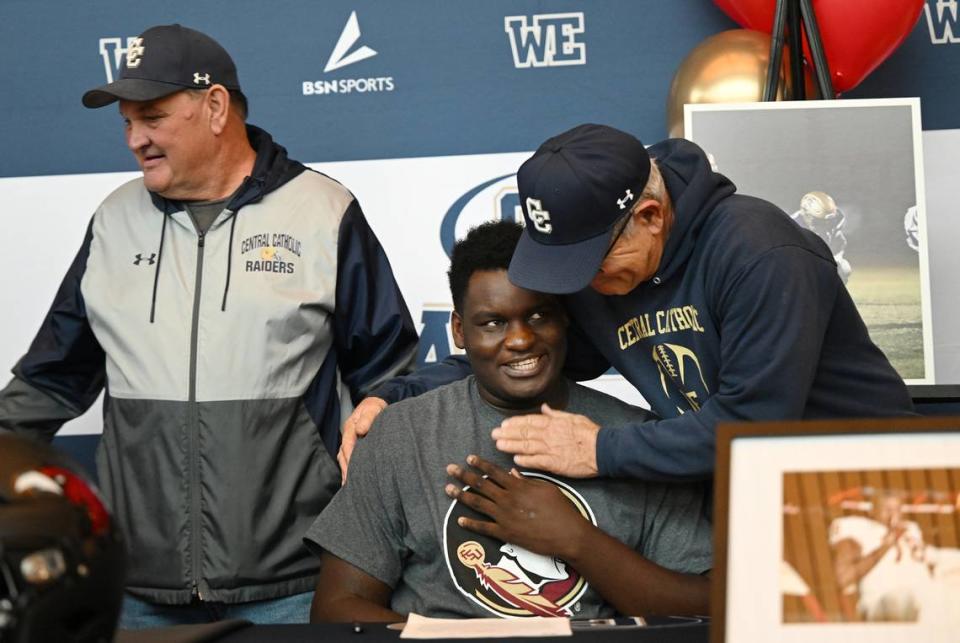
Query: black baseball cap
167,59
573,190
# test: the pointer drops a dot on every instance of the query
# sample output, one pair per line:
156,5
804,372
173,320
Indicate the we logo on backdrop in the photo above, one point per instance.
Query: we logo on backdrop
943,21
546,40
346,53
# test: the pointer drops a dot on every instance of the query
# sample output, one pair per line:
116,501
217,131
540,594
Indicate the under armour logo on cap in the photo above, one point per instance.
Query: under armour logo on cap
627,198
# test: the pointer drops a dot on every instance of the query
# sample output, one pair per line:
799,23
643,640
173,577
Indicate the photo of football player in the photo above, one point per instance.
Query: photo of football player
819,213
911,228
882,558
849,173
872,546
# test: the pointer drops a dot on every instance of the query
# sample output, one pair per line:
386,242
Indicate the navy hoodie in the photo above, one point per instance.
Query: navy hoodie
745,319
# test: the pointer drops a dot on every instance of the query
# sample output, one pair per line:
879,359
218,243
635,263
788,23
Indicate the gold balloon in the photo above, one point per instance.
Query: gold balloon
729,67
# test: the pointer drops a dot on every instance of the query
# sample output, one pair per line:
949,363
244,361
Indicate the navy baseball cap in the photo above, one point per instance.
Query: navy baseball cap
167,59
572,191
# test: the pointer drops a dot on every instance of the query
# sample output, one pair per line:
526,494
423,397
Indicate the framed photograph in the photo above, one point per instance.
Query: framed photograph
837,529
852,172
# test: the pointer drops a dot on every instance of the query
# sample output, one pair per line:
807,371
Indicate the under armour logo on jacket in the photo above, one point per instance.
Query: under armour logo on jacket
198,78
625,200
152,259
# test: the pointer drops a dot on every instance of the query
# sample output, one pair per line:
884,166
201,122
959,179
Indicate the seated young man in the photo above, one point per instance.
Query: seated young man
411,532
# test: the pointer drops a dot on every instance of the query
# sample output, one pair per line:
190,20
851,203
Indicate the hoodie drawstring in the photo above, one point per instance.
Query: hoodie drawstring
156,269
226,287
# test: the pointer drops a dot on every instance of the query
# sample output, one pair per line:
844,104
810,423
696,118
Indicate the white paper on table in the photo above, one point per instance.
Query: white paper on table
422,627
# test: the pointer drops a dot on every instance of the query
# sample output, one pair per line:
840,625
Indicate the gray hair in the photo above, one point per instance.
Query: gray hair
655,189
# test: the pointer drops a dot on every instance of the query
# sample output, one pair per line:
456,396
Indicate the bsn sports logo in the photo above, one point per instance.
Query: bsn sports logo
343,55
112,51
506,579
546,40
943,21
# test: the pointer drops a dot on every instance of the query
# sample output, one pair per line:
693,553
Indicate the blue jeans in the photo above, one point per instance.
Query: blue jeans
138,614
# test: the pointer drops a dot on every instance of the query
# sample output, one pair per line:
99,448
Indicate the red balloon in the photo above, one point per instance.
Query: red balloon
857,35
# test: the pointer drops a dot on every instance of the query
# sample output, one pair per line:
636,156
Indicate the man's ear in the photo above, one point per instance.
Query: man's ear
218,104
456,329
649,215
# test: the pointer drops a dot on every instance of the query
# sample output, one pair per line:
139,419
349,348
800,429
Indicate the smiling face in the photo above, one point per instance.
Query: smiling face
172,142
515,340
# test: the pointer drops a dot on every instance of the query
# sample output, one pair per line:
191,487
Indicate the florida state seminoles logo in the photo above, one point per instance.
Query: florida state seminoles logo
508,580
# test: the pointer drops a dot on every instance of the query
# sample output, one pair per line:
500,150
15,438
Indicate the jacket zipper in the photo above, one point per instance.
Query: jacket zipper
195,429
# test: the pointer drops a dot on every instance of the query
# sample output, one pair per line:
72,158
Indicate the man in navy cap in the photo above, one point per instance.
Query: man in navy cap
220,300
714,305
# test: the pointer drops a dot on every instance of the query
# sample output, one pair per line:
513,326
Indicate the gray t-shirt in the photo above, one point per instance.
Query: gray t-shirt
393,521
204,213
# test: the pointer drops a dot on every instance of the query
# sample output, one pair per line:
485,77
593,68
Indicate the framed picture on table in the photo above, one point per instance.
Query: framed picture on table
851,171
837,529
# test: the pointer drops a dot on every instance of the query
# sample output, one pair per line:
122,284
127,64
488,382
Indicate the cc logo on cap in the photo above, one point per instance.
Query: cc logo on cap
539,217
135,50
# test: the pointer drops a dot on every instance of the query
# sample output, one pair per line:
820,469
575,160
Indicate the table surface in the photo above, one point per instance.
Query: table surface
660,630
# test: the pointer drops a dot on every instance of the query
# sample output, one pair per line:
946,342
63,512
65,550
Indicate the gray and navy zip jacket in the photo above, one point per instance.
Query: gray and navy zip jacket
745,319
224,356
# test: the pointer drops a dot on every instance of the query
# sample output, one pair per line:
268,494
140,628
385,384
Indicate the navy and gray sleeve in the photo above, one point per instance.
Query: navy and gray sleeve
374,334
63,371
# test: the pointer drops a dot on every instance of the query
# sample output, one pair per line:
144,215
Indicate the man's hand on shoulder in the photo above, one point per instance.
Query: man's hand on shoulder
357,426
555,441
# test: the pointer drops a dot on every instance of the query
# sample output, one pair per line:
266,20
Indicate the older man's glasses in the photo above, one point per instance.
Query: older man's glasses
619,226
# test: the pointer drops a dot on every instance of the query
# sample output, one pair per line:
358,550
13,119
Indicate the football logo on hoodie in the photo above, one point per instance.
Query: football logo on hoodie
508,580
680,375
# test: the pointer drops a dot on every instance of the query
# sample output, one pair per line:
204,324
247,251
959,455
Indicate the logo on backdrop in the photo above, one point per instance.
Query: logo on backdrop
509,580
436,342
943,21
546,40
346,53
495,199
112,51
340,57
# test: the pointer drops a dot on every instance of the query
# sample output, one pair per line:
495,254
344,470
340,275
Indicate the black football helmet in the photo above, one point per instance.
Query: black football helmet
61,558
